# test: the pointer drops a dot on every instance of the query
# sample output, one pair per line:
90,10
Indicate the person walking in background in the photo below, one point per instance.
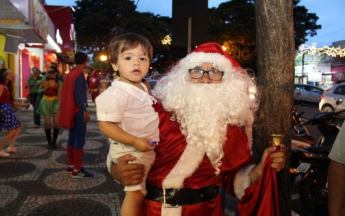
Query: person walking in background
34,82
94,84
125,112
50,104
8,120
336,176
104,84
87,74
74,116
59,75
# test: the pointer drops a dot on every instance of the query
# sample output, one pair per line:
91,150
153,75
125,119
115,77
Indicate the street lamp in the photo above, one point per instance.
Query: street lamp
103,58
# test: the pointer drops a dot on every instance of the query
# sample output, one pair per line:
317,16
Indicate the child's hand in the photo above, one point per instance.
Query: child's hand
142,144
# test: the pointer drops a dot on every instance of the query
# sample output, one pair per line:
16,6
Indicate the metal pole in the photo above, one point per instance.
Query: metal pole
189,48
303,68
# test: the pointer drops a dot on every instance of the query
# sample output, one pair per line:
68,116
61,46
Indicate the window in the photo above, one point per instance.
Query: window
316,90
300,88
340,90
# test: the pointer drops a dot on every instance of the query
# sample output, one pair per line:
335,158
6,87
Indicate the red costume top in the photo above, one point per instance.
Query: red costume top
171,146
52,90
5,97
68,107
93,82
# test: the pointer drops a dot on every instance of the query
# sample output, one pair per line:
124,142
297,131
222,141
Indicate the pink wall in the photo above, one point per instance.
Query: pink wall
26,72
338,73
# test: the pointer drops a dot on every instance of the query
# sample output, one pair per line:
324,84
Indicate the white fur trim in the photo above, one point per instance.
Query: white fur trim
215,58
242,180
184,168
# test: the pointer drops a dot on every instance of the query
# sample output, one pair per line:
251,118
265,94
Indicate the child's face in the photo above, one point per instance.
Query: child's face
132,65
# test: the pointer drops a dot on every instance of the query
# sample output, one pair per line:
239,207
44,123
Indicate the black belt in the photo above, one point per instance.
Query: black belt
183,196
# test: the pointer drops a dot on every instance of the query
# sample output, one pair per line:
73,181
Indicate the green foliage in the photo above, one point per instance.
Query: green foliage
304,23
232,24
155,28
97,20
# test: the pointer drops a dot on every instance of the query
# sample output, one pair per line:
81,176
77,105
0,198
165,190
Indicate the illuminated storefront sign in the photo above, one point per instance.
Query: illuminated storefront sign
40,24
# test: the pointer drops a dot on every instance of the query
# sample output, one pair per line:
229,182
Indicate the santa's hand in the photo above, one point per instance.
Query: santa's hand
128,174
278,156
142,144
278,161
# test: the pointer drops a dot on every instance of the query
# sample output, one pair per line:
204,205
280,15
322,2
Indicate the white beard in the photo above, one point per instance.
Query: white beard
204,120
205,110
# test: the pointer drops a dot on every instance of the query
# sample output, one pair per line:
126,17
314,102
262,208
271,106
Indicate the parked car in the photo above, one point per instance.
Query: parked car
307,93
329,98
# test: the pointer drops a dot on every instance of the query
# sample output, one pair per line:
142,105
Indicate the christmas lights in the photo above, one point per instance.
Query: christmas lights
311,50
167,40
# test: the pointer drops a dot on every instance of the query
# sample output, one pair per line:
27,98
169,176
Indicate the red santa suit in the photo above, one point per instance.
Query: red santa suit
181,167
171,146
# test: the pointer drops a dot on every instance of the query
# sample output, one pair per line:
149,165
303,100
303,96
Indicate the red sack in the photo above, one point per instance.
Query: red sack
262,197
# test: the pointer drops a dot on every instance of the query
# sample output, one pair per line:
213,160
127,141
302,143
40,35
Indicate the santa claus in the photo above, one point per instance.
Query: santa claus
206,102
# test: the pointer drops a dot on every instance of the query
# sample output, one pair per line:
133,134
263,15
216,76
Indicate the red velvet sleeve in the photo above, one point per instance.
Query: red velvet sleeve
236,156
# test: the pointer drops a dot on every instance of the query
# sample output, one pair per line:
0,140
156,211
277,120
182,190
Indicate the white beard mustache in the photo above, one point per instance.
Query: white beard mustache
204,120
205,110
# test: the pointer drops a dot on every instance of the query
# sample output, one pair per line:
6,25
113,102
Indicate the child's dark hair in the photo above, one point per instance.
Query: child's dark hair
3,73
55,69
80,58
35,68
121,43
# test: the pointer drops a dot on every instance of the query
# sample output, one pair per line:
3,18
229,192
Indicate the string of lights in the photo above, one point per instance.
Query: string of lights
312,50
166,40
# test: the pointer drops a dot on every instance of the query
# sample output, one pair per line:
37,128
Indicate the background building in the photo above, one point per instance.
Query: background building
323,66
28,38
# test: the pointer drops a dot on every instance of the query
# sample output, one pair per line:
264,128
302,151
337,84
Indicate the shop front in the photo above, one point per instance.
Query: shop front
26,31
338,73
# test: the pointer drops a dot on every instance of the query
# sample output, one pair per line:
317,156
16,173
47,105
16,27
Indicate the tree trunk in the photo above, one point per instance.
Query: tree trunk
275,48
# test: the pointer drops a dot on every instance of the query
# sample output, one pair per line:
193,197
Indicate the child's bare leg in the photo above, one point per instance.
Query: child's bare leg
15,136
132,203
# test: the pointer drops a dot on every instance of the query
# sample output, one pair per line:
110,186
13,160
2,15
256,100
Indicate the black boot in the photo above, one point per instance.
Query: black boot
55,136
49,137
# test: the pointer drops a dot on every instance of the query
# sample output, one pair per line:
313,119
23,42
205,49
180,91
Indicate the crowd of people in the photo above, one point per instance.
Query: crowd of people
174,151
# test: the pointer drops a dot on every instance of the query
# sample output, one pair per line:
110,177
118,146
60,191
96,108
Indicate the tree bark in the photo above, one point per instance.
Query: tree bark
275,78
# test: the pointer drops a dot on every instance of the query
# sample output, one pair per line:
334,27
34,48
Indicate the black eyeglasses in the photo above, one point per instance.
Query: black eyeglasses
198,73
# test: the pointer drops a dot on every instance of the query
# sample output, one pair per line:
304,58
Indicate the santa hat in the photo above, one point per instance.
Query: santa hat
212,53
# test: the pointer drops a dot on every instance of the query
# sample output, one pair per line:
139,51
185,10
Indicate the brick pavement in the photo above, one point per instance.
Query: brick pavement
33,180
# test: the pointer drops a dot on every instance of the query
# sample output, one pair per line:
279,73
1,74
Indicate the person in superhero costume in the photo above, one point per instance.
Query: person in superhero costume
74,116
